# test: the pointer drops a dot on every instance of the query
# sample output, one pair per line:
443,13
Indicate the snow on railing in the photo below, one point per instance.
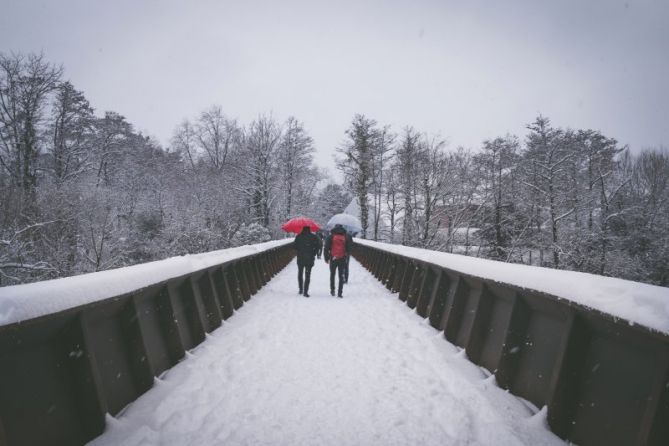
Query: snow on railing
22,302
86,346
637,303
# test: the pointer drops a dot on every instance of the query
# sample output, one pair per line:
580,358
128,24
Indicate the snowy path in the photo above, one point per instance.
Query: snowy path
363,370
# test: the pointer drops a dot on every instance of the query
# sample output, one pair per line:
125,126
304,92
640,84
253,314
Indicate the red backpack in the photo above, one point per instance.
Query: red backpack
338,248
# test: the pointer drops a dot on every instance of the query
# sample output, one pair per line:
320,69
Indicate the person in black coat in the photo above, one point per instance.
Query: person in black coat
337,250
307,246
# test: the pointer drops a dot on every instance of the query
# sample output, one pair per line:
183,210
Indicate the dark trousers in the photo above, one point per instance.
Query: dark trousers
348,259
338,265
304,270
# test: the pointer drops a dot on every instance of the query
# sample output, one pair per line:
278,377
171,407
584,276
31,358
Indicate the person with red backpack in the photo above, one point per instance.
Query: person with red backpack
337,249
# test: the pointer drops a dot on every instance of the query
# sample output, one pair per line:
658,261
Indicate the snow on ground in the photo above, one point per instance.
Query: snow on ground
21,302
362,370
639,303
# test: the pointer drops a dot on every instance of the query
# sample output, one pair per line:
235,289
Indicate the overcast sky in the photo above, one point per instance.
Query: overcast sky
467,70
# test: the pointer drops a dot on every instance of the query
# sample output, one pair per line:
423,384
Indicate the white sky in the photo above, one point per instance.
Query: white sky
468,70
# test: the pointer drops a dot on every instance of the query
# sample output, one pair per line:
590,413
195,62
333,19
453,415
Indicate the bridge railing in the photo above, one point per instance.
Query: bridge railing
604,381
60,374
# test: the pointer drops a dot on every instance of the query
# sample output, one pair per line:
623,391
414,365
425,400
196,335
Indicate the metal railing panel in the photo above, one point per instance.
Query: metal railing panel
603,380
61,373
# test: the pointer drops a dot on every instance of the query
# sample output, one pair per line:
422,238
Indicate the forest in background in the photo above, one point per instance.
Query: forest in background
82,192
562,198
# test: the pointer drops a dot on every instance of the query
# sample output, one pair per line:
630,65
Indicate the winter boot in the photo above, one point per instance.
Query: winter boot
332,293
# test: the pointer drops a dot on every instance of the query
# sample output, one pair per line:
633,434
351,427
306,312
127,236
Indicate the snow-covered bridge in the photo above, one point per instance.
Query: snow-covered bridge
366,369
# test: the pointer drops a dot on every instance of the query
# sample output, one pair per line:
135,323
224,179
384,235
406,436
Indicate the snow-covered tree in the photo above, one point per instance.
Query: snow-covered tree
498,161
295,161
250,234
357,162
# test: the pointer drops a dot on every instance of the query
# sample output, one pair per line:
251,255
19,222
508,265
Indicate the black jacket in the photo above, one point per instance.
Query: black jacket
328,242
307,246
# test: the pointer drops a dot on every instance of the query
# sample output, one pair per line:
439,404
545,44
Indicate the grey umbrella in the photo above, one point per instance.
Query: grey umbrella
349,222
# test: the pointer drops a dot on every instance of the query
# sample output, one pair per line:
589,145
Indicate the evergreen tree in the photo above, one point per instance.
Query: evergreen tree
358,158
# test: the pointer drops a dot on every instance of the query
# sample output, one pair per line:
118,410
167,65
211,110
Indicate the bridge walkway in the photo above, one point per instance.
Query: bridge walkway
362,370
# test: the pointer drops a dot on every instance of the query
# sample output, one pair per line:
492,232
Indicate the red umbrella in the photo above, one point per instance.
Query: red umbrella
296,224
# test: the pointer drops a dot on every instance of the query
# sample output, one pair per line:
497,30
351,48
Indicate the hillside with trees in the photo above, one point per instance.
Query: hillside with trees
83,191
561,198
